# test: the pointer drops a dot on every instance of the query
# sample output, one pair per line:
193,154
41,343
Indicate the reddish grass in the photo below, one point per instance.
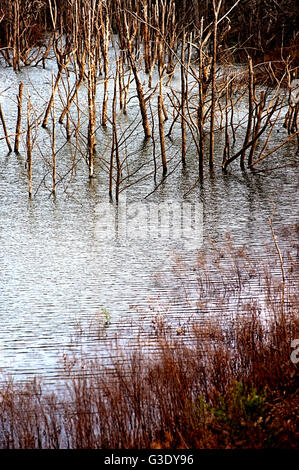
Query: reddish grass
222,384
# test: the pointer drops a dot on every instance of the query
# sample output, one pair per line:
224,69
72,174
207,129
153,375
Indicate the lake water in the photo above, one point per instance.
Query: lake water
60,266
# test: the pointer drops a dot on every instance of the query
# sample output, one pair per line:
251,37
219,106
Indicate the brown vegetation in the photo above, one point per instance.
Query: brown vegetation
227,381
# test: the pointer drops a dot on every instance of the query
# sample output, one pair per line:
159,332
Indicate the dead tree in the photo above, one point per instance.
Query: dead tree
63,57
5,130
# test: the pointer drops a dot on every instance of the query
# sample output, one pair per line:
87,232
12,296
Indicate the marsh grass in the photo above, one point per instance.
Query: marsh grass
223,382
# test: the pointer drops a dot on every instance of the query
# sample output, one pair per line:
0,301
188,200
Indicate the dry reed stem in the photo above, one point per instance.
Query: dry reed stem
5,130
19,117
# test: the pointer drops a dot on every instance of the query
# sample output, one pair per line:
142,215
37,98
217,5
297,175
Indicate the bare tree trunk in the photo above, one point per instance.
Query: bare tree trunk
250,110
91,118
53,147
161,130
54,90
16,36
183,95
227,144
281,266
19,117
126,88
145,123
147,60
238,154
105,48
29,148
114,142
260,108
69,101
91,44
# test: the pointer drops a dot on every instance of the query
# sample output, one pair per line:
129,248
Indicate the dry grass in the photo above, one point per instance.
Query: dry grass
227,384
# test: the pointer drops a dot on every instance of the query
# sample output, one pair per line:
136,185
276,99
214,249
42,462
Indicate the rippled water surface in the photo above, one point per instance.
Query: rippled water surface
58,272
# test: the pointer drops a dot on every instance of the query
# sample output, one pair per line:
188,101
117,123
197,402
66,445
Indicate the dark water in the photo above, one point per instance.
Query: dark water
58,271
